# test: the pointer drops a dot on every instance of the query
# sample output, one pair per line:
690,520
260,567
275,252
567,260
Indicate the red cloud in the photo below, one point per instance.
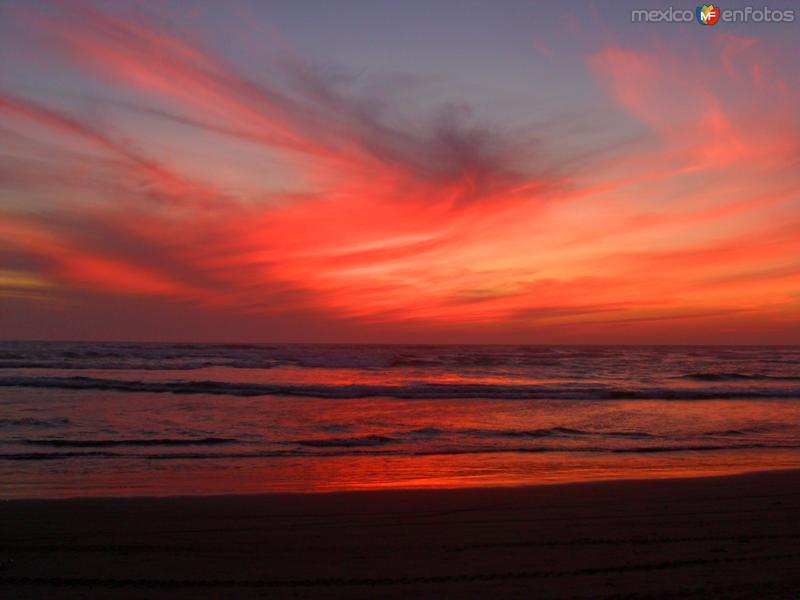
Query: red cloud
442,224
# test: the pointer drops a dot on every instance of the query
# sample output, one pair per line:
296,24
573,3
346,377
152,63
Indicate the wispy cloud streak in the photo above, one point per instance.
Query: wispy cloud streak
404,218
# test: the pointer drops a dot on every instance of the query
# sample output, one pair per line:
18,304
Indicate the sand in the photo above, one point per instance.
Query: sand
717,537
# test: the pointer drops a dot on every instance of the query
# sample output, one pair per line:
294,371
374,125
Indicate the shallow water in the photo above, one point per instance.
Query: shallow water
92,419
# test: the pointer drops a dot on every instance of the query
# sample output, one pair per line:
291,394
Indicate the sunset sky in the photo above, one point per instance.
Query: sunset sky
387,171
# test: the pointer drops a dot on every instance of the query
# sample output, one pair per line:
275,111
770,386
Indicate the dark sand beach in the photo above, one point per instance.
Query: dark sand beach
715,537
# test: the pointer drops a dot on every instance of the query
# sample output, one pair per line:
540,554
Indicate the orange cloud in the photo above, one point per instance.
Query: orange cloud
443,224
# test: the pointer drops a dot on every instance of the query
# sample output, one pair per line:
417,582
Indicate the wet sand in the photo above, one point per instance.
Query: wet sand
720,537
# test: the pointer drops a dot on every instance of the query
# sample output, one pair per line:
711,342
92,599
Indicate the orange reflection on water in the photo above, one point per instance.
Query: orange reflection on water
394,472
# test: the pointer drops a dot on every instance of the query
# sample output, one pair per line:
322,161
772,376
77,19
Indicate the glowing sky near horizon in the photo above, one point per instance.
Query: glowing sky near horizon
396,171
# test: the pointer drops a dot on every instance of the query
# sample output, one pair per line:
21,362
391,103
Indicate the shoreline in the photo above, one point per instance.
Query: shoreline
404,490
695,537
368,472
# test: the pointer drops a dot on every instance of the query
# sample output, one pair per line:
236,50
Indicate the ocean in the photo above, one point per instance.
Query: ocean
91,419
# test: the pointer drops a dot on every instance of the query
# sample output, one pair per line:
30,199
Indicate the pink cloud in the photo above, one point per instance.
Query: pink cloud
437,225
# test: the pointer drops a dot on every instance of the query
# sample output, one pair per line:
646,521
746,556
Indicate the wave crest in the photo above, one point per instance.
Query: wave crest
422,391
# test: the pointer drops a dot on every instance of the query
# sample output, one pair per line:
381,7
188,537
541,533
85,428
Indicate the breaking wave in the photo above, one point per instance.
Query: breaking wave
208,441
426,391
739,377
32,456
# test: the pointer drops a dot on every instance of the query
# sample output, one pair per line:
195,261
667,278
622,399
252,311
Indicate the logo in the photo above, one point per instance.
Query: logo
708,14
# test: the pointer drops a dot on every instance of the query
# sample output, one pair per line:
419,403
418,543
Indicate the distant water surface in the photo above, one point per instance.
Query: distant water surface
129,419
